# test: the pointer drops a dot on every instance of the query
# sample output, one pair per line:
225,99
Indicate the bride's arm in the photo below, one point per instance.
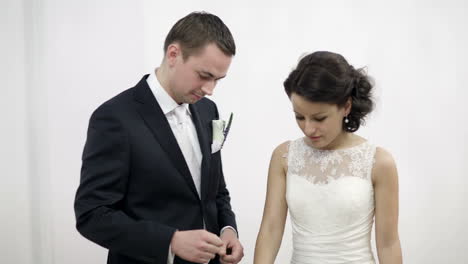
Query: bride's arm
385,178
275,210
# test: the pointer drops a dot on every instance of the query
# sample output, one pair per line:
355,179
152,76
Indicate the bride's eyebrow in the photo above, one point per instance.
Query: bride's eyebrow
316,114
319,113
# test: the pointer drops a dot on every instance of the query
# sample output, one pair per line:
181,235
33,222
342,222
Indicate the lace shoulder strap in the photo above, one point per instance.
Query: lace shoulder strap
294,156
369,159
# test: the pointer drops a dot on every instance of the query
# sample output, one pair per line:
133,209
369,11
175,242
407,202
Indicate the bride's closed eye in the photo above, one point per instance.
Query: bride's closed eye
320,119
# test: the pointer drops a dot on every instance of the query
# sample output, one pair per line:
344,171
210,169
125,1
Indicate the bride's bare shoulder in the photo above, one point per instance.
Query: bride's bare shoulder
280,154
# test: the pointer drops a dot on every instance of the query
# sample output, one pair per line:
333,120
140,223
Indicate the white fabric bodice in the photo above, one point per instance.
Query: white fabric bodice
331,203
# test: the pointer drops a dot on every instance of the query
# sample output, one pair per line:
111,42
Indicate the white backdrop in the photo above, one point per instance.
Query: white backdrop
61,59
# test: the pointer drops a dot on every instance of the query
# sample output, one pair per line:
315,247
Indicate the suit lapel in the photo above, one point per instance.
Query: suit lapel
155,119
204,141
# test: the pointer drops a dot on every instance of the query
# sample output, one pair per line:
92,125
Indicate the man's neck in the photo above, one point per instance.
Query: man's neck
161,76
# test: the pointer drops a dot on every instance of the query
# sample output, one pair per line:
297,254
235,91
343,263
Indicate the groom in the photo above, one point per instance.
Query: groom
152,188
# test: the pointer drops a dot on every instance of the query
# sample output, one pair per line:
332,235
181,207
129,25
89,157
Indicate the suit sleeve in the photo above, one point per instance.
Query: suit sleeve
98,203
226,216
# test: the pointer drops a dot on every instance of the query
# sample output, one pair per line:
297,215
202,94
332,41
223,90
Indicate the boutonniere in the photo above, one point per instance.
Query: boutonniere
220,132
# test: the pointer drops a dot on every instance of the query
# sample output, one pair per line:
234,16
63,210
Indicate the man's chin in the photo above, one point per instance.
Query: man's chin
193,100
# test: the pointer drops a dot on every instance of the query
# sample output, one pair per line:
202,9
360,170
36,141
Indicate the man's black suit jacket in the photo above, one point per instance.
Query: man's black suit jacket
136,189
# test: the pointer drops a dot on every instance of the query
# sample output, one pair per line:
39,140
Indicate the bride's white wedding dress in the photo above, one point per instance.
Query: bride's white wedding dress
331,203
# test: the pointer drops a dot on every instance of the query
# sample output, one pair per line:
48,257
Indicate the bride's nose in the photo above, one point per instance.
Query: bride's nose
310,128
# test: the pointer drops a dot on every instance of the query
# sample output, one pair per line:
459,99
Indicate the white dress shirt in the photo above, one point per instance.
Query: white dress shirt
180,121
179,118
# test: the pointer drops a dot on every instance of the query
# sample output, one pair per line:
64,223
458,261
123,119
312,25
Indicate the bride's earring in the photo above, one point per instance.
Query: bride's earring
346,120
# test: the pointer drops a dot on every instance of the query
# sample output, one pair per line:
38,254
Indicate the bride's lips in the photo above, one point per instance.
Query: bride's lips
315,138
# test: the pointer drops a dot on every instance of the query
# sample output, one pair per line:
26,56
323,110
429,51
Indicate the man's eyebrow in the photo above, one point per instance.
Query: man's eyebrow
211,75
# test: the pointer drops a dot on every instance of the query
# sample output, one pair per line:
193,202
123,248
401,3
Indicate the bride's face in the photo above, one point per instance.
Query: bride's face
321,123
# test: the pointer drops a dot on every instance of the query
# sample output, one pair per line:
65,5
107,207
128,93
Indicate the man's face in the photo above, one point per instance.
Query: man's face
192,79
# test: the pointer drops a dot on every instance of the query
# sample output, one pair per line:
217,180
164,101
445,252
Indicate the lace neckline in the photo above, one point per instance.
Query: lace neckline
324,166
347,149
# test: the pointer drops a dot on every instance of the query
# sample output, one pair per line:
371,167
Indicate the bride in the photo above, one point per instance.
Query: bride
332,181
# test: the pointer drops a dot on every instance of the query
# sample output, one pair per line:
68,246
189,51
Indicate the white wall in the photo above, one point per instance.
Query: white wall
76,54
15,213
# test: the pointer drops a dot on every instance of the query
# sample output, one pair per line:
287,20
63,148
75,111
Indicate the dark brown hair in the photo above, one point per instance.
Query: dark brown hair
327,77
194,31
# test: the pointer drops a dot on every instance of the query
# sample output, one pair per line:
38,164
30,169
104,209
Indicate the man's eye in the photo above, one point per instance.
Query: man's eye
203,77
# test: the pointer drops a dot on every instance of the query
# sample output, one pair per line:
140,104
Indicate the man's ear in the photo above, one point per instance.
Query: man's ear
173,52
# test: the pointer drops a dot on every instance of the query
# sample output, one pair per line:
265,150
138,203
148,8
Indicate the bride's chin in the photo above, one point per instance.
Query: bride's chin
315,144
319,144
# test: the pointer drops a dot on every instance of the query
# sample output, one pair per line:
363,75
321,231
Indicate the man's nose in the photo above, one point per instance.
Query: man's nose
208,87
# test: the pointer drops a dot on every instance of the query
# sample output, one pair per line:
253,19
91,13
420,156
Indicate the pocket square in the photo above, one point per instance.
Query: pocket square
220,132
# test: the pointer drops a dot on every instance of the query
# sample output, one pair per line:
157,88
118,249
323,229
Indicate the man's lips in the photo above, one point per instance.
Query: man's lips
197,96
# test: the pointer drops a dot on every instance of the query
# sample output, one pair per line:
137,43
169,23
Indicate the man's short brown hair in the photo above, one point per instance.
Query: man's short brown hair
198,29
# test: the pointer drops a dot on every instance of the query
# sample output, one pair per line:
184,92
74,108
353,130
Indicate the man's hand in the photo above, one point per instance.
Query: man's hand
199,246
231,243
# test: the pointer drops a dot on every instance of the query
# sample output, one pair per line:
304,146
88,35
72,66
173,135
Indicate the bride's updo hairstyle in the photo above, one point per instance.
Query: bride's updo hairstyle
326,77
